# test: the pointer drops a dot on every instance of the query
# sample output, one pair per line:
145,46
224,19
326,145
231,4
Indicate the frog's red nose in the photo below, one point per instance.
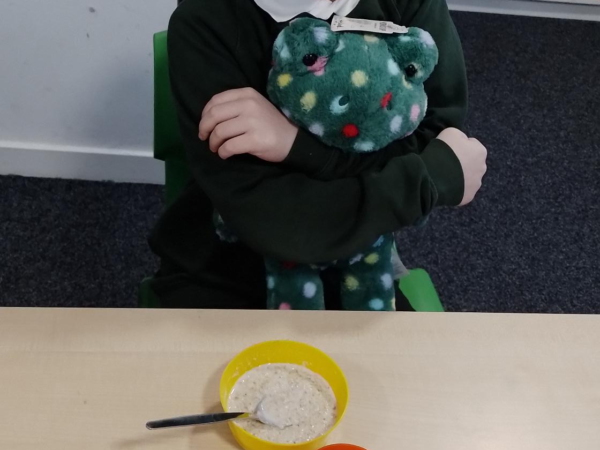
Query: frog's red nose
350,130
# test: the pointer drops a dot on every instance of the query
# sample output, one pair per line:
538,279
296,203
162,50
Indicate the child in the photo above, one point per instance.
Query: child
284,194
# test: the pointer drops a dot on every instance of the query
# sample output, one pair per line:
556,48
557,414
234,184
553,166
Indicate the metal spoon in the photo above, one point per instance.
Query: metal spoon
200,419
204,419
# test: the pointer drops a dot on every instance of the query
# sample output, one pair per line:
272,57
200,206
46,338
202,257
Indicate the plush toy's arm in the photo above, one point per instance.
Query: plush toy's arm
447,92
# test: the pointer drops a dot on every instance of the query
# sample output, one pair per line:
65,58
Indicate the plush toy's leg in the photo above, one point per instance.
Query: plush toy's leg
368,281
293,286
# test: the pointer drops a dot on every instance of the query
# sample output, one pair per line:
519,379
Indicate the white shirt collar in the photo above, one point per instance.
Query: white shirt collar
284,10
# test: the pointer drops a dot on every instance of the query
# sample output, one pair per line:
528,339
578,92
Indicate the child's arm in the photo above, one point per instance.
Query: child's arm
281,214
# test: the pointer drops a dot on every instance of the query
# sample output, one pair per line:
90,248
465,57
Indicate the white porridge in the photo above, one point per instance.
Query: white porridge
297,403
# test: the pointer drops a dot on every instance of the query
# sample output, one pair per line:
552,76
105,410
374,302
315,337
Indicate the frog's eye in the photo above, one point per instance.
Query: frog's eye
410,70
309,59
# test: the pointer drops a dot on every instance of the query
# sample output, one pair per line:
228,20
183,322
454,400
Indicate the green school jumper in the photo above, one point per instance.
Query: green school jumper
320,204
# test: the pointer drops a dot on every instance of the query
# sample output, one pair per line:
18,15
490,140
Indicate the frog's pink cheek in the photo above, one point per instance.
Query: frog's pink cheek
318,68
415,112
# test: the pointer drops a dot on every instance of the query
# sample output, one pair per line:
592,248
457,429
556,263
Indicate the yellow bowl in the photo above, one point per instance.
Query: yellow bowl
283,352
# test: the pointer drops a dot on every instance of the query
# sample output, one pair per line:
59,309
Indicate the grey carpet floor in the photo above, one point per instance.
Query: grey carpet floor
530,243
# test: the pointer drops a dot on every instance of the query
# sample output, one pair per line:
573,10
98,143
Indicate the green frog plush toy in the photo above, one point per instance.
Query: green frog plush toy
356,92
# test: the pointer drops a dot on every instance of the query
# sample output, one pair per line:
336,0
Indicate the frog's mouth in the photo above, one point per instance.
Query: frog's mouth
385,101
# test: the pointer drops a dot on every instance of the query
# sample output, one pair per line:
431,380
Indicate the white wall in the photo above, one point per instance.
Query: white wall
76,77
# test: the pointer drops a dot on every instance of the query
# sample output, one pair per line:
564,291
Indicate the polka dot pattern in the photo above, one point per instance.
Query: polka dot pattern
371,259
355,259
321,34
284,79
393,67
279,41
376,304
359,78
386,280
395,124
426,38
317,129
285,52
281,47
285,307
371,39
308,101
351,283
309,290
364,146
349,130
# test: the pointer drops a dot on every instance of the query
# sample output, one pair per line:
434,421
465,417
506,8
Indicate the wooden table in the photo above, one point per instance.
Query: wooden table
90,379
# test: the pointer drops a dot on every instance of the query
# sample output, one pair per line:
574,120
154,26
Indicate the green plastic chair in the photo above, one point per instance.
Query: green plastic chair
167,141
416,286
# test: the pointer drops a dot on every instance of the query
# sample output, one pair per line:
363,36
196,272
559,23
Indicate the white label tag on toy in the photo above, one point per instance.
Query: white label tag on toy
400,29
339,23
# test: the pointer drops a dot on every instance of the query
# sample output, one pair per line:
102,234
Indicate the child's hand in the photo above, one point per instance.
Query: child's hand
472,156
243,121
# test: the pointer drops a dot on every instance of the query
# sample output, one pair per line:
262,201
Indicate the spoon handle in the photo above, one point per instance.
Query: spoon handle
200,419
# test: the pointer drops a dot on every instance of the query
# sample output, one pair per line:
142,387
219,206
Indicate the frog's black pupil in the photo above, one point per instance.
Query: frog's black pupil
411,71
344,100
310,59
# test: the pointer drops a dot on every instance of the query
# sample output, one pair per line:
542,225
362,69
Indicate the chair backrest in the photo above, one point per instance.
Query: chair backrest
167,141
168,146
